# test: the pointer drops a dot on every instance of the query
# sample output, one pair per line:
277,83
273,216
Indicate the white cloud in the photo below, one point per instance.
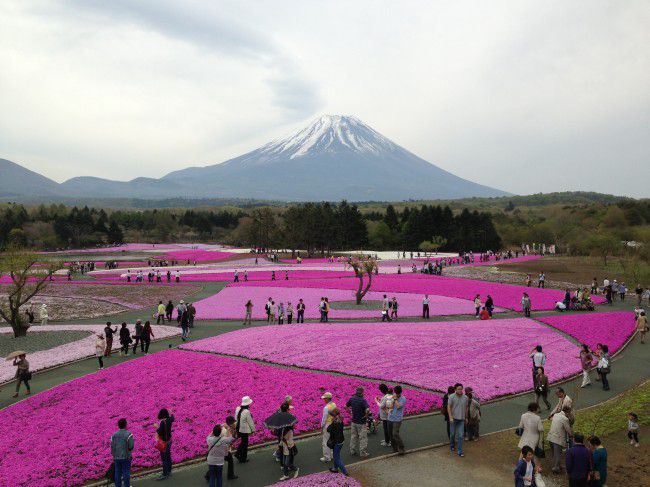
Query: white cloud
524,96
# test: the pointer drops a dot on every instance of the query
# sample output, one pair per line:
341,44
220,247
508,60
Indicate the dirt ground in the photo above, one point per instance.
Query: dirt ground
491,461
561,272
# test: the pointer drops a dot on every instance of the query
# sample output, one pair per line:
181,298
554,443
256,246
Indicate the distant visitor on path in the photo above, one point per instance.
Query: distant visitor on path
100,350
109,332
23,375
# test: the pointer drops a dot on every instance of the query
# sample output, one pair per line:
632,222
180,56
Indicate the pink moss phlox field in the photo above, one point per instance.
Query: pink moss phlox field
61,437
323,479
199,255
504,295
611,328
492,356
69,352
229,303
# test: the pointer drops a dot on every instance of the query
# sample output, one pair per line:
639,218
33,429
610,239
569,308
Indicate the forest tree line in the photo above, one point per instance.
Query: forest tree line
316,227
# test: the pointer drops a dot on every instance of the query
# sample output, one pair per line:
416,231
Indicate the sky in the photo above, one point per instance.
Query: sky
524,96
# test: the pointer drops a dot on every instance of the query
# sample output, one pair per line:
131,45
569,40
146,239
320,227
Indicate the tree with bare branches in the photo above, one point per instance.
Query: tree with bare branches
363,266
27,280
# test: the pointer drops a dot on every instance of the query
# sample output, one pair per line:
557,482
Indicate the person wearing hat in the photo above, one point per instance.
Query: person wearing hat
245,426
22,373
326,420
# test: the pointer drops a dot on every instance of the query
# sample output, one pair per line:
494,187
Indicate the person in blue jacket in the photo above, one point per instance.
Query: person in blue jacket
526,469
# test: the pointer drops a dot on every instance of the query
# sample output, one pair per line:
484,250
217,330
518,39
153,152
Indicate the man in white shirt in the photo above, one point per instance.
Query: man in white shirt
539,360
326,420
425,306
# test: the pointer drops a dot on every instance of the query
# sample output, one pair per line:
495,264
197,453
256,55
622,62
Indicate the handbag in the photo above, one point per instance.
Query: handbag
161,445
539,452
539,480
519,431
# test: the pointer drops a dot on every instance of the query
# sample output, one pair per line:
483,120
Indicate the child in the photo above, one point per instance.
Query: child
633,429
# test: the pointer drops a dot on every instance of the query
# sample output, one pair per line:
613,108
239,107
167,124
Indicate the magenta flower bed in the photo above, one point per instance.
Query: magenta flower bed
229,303
323,479
504,295
71,424
491,356
612,329
199,255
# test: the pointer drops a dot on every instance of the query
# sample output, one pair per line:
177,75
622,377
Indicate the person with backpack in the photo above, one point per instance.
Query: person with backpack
289,452
336,439
218,445
122,444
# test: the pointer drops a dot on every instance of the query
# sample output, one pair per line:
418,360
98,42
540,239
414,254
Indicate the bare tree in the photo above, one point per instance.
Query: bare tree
27,280
363,266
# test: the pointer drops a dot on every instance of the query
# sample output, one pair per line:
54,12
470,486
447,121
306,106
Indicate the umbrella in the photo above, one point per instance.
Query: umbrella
15,354
280,420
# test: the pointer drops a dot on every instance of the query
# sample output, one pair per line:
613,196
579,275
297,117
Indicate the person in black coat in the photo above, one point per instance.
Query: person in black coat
164,432
125,339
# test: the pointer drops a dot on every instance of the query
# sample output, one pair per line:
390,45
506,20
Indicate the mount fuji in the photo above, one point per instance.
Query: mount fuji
335,157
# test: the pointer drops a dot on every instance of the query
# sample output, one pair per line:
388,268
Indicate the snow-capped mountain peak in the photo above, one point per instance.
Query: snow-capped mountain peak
330,133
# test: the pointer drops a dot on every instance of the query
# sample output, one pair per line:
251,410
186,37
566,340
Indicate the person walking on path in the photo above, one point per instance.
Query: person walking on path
579,462
289,313
477,305
642,326
289,451
445,409
138,337
164,444
489,305
191,313
185,324
557,435
633,428
147,335
122,445
245,426
384,404
108,332
563,401
525,305
526,469
639,295
169,311
395,418
539,359
531,428
586,359
218,446
604,366
100,350
425,307
336,440
599,454
300,308
457,408
125,339
248,319
23,375
541,280
473,415
393,309
326,420
160,315
541,387
359,409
